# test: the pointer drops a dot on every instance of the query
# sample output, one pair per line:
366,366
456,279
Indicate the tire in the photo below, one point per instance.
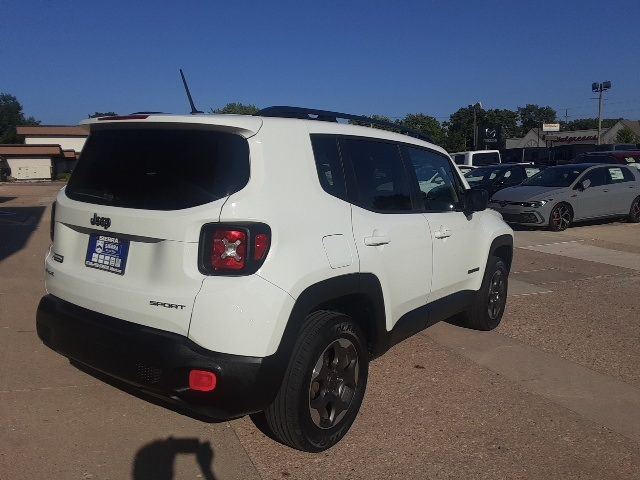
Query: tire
330,360
561,217
634,211
488,308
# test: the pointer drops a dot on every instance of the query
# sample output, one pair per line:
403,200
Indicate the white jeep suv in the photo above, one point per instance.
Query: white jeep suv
232,265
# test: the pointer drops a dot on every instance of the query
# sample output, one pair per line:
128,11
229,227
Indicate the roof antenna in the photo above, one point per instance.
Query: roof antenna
194,110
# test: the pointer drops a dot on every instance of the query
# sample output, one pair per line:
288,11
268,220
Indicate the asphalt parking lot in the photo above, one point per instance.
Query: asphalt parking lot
554,392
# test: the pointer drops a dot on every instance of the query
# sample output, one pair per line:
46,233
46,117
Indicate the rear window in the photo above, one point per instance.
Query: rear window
159,168
490,158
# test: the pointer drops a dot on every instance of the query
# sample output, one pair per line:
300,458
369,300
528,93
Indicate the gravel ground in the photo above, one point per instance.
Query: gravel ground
591,319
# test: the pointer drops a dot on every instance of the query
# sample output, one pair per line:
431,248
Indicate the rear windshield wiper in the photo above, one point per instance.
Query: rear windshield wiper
102,196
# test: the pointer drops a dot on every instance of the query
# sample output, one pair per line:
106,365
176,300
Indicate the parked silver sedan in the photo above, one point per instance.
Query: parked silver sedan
558,196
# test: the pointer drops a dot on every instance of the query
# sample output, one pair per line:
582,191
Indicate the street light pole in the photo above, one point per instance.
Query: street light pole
600,88
475,125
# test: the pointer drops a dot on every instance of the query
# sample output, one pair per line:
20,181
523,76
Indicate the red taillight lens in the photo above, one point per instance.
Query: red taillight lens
202,381
229,250
260,246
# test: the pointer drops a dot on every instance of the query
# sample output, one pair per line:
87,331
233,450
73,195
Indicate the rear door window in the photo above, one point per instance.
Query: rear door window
381,180
159,168
616,175
328,165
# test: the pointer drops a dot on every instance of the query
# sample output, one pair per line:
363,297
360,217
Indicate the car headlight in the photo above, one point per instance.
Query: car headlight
535,204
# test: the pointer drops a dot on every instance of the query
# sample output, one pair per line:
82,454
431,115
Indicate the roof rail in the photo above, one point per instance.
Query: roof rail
329,116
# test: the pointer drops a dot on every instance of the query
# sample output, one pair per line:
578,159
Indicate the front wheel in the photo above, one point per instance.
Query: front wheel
560,218
324,385
634,211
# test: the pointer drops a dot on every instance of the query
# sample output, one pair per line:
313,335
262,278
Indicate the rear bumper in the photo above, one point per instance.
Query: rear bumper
158,362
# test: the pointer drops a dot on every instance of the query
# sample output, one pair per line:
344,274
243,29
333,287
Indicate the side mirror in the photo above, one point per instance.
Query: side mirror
476,200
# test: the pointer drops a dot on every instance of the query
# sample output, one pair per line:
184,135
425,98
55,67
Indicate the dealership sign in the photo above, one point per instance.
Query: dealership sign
550,127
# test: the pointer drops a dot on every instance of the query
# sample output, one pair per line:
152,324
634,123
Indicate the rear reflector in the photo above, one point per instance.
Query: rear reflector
261,245
202,381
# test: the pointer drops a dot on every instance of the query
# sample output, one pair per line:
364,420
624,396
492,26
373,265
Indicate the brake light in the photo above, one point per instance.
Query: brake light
202,381
260,246
124,117
52,226
229,250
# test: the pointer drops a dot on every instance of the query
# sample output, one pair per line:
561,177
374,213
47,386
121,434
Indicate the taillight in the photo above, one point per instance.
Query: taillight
52,226
229,250
233,249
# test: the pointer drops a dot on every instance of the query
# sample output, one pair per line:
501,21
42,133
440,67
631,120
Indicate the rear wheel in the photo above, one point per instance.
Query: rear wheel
491,300
634,211
324,385
560,218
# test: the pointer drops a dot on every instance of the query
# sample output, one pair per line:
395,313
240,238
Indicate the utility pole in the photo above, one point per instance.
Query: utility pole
475,125
600,88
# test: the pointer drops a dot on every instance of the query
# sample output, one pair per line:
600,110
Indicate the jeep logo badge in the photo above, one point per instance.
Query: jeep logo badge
100,221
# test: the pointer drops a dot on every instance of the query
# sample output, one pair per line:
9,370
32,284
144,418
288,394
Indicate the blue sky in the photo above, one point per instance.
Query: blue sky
66,59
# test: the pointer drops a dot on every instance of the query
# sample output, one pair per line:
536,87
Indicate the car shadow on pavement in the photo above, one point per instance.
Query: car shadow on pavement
17,224
155,460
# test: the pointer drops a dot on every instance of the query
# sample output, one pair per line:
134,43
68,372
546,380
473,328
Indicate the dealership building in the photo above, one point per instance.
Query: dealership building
536,137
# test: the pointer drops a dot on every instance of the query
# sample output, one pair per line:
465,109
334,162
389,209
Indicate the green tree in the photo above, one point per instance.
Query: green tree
626,135
237,108
426,125
533,116
11,116
102,114
588,123
460,128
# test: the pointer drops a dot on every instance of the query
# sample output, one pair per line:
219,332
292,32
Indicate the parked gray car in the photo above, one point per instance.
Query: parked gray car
558,196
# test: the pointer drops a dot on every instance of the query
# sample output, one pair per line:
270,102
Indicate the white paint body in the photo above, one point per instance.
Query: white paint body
314,237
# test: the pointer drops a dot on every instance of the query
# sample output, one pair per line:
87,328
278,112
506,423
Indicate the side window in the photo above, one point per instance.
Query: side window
435,180
328,164
616,175
628,175
597,177
381,180
459,159
531,171
490,158
514,175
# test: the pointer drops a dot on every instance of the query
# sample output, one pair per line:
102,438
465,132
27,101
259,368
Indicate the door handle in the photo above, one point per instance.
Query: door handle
377,240
442,233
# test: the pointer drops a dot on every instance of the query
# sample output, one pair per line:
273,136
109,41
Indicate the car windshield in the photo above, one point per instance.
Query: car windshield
556,176
483,174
